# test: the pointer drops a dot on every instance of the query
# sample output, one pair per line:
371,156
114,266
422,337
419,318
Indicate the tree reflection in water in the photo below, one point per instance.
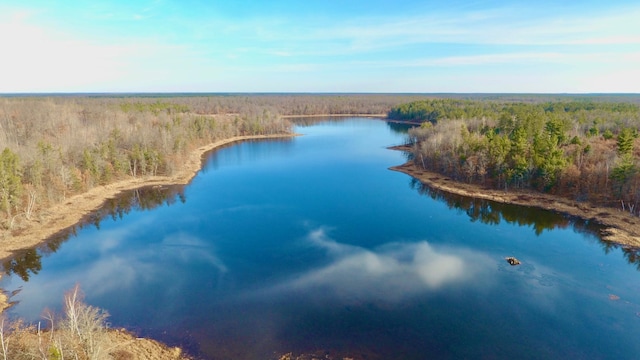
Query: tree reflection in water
492,213
25,264
28,262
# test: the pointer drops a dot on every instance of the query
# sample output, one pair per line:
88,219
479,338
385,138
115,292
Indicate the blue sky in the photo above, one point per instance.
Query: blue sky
320,46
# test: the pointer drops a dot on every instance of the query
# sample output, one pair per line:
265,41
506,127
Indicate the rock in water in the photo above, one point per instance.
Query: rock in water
512,261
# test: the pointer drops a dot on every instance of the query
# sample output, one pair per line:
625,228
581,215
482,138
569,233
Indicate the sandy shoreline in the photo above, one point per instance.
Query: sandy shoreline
620,227
71,211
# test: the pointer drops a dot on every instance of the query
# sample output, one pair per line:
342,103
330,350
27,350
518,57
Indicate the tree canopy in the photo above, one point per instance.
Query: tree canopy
584,150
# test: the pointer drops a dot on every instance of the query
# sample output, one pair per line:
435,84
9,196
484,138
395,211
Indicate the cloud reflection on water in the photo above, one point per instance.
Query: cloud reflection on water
389,273
115,261
188,248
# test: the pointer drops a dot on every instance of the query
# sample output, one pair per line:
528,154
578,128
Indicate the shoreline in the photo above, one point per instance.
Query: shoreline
373,116
73,209
333,115
620,227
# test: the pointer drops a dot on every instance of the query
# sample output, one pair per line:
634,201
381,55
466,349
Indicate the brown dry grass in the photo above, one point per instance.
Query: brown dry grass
128,347
119,344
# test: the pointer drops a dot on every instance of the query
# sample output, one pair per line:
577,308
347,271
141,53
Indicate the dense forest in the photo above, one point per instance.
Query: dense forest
580,149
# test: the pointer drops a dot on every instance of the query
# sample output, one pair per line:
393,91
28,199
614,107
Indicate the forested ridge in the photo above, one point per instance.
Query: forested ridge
584,150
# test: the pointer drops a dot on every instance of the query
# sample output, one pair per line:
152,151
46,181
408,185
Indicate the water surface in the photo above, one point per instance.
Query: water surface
312,244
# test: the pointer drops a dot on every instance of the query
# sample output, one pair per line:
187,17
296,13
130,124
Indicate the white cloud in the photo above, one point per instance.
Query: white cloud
506,26
512,58
36,58
39,58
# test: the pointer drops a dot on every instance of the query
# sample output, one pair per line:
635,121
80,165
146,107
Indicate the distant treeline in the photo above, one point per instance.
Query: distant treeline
281,104
579,149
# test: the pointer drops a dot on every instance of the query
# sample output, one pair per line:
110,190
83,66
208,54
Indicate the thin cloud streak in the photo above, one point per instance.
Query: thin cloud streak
508,58
453,61
507,27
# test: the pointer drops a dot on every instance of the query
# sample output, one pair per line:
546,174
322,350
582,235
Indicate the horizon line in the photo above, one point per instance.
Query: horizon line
161,93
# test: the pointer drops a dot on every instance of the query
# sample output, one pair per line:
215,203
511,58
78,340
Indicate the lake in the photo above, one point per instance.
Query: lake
311,244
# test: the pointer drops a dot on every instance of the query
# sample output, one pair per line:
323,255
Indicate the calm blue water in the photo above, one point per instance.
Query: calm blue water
312,244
